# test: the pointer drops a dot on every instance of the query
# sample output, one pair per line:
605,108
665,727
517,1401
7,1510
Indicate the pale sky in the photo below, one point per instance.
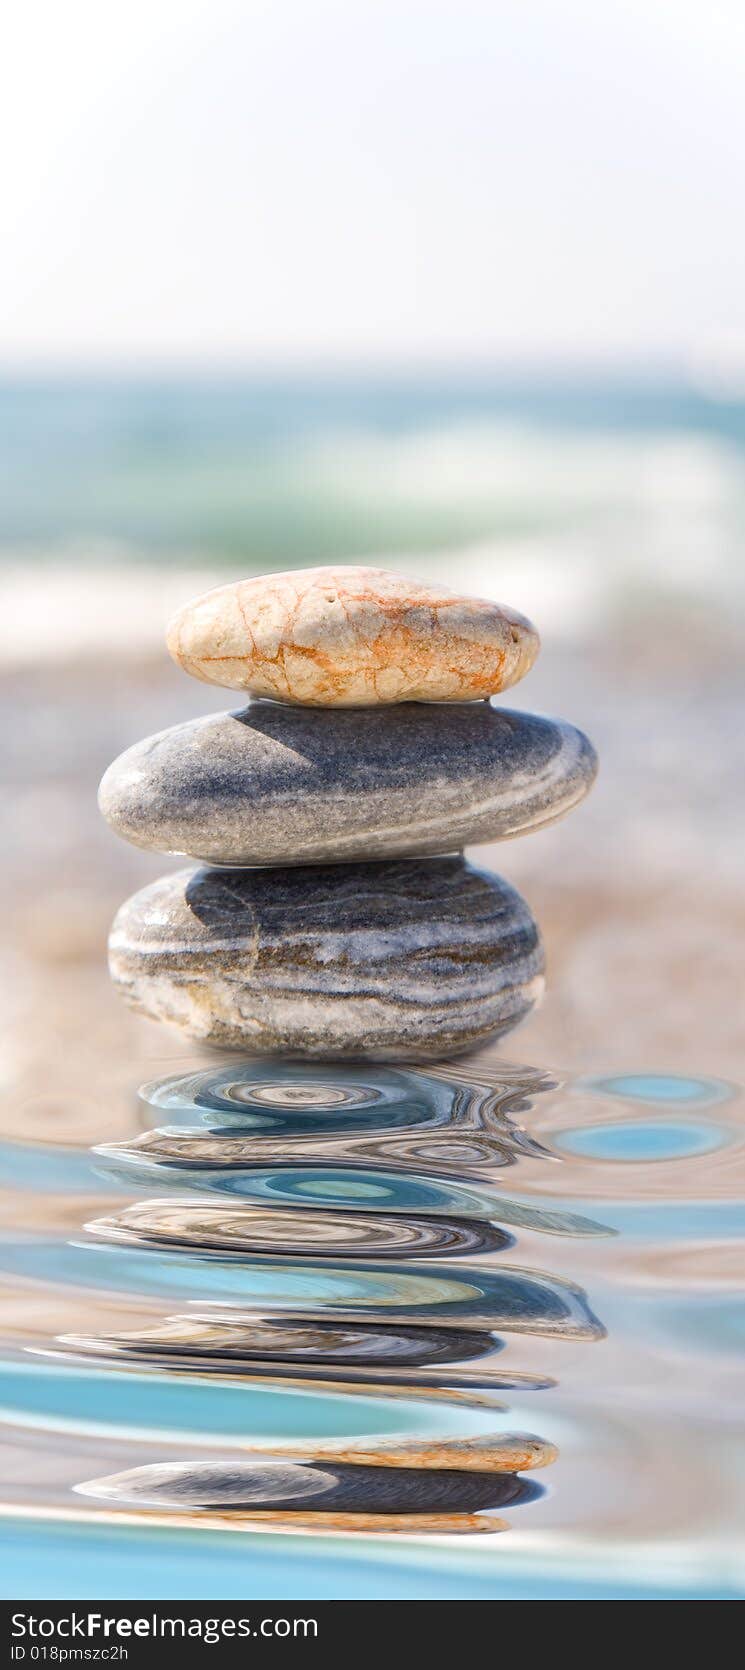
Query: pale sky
221,181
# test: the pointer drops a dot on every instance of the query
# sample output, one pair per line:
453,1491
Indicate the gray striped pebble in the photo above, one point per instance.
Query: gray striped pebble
385,960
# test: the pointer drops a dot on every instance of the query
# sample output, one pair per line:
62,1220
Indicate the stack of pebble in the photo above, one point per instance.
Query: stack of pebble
336,916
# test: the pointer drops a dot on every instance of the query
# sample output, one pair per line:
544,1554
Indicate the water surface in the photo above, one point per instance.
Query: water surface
438,1334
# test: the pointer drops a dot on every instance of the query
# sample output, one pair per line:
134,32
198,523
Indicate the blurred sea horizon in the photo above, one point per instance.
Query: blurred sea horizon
583,500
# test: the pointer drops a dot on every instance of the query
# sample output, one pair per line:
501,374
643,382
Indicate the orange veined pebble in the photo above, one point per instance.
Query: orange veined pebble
351,637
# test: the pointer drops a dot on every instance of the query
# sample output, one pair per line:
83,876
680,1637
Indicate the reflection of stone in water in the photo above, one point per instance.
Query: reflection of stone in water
378,1180
439,1151
335,1487
295,1095
490,1452
227,1166
381,1477
254,1229
484,1295
440,1364
247,1095
299,1340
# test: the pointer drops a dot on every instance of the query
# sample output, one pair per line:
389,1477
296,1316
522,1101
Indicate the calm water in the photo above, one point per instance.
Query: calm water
294,1336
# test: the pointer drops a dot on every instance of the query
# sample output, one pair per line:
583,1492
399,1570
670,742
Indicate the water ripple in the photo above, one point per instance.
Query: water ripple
339,1243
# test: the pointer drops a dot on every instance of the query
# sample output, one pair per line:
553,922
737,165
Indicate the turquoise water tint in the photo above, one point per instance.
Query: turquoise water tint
463,1337
642,1142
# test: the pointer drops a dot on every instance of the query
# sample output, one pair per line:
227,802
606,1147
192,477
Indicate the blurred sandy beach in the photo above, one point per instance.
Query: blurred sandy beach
622,542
